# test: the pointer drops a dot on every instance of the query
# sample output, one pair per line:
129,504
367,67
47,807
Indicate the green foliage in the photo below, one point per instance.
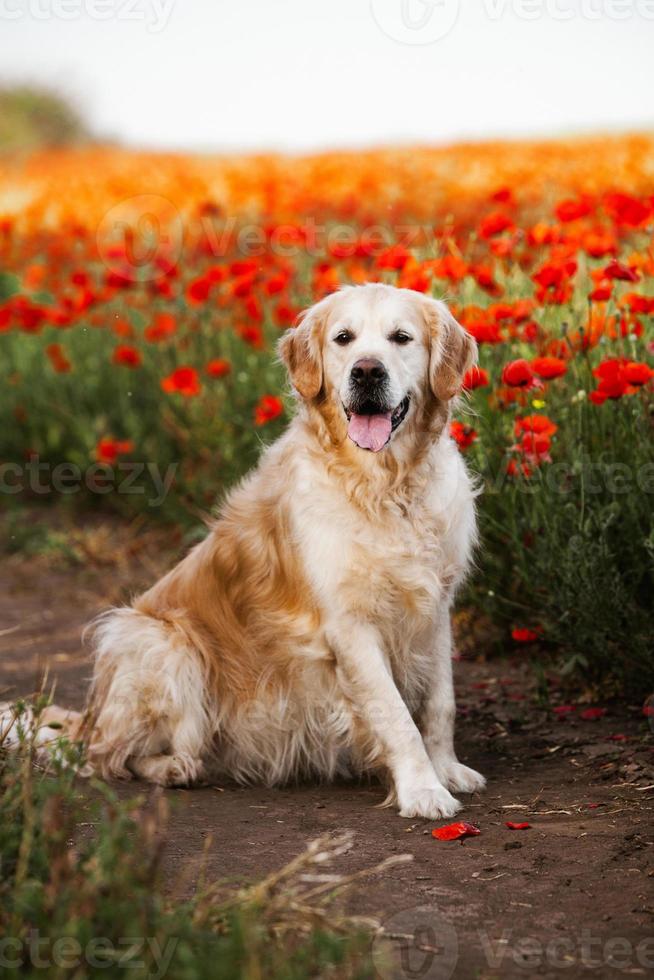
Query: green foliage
81,894
200,445
568,550
18,535
32,117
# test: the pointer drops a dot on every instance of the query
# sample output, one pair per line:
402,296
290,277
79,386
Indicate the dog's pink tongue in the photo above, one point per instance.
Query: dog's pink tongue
370,431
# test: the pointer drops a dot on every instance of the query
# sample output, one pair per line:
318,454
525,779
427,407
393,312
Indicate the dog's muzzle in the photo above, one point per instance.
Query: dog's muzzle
372,418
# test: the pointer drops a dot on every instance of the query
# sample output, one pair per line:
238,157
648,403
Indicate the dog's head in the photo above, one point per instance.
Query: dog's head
374,358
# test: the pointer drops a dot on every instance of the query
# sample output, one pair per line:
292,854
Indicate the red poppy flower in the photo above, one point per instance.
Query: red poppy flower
198,290
122,328
395,257
549,367
243,286
417,279
602,293
215,274
638,303
503,195
184,381
126,356
117,279
563,709
254,309
617,270
80,278
27,315
592,714
637,374
599,243
613,383
108,449
553,274
463,435
484,333
573,210
539,424
494,224
243,267
519,468
285,313
5,317
58,359
276,284
554,281
522,309
218,368
252,334
449,267
485,280
269,408
521,634
518,374
535,447
476,377
163,327
501,311
627,210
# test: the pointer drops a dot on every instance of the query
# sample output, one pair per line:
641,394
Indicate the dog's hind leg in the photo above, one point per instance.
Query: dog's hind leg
149,701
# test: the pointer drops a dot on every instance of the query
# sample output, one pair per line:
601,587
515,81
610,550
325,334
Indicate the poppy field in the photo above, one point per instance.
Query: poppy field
141,297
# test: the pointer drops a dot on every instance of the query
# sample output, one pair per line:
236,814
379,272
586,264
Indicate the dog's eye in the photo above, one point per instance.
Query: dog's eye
343,338
400,337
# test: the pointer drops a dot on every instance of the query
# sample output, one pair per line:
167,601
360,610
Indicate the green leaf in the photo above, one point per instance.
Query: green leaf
9,285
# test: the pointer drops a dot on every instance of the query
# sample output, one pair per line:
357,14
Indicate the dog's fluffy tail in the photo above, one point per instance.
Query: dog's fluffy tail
147,715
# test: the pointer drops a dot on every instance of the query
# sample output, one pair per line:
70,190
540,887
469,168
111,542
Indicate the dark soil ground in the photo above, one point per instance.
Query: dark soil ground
571,896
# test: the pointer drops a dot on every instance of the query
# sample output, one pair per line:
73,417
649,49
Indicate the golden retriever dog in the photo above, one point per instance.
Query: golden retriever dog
309,633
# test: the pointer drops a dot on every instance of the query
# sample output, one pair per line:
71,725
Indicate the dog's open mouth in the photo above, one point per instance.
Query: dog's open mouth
371,429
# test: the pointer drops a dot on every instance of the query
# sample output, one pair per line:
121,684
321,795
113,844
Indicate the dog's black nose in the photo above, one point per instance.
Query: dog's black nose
368,371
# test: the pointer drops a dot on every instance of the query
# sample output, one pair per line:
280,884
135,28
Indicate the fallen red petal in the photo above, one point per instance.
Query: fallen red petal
592,714
455,831
517,826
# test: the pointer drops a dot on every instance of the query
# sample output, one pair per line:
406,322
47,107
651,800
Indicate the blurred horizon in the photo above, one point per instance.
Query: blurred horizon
230,77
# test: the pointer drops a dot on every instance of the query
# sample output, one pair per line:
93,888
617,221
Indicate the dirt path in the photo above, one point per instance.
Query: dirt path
571,896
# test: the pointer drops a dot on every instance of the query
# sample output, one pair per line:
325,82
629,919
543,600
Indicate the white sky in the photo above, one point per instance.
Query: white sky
304,74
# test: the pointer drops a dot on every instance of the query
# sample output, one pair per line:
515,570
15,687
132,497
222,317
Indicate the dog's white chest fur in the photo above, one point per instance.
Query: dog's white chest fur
395,565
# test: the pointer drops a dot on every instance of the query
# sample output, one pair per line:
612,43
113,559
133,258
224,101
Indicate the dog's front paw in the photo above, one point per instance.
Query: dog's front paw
460,778
431,802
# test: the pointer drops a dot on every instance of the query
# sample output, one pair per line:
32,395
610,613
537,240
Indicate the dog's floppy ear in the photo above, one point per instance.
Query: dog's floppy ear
452,350
300,350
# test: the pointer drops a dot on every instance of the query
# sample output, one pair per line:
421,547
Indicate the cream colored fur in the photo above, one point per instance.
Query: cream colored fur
309,633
